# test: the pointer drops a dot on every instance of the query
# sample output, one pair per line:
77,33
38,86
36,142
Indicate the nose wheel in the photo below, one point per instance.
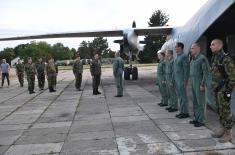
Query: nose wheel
131,71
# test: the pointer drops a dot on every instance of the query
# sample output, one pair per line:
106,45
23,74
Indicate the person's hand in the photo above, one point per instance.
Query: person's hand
202,88
185,83
92,77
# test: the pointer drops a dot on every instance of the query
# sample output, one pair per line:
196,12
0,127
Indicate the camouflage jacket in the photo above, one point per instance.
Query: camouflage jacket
40,67
77,67
30,69
19,68
51,69
95,67
221,60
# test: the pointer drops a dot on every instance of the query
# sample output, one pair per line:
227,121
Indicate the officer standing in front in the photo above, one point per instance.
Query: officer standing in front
20,72
40,68
95,69
51,75
223,82
170,82
199,72
77,71
161,80
30,72
118,67
181,76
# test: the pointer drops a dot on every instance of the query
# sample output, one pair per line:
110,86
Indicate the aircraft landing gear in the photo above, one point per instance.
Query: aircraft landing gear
128,71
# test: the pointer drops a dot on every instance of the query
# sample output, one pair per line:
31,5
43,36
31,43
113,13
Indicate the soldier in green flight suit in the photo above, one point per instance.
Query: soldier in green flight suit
181,76
199,72
20,72
30,72
161,78
170,84
51,74
40,68
77,71
118,67
223,83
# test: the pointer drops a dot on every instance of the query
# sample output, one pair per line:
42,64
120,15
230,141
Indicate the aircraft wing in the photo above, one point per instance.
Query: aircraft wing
111,33
107,33
161,30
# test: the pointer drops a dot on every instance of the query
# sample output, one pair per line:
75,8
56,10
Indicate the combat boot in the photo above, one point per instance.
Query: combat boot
218,134
226,137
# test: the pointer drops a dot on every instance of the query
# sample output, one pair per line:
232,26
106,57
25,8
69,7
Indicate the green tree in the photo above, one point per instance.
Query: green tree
154,43
8,54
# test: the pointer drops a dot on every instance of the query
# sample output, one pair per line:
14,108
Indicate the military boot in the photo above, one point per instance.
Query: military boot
226,137
219,133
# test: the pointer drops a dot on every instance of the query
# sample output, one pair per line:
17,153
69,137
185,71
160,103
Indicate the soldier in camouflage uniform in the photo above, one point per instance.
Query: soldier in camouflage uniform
199,72
30,72
95,69
77,71
40,68
161,80
223,82
20,72
170,83
51,74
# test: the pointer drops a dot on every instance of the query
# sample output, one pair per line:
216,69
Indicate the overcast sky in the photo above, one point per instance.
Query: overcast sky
22,17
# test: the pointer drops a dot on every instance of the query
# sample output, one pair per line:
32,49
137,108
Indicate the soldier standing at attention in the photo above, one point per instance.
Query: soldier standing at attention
170,83
5,69
223,82
161,80
118,67
95,69
51,74
77,71
40,68
20,72
181,76
30,72
199,72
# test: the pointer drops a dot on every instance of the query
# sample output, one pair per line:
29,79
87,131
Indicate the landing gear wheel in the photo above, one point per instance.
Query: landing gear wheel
134,73
127,73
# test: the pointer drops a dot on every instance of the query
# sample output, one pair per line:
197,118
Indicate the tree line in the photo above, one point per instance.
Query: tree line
87,49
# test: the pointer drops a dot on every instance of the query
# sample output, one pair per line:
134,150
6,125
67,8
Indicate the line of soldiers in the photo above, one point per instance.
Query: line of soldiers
173,76
95,70
41,70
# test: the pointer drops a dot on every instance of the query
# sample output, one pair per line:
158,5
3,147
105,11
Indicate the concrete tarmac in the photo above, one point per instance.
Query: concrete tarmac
70,122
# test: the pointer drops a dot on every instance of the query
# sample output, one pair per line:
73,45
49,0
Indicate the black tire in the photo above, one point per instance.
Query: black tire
135,73
127,72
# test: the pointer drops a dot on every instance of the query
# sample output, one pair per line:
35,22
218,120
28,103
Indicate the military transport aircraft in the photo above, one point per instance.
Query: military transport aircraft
214,20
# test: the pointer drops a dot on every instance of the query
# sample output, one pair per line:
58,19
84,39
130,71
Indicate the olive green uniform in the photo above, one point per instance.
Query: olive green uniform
170,84
118,67
40,68
223,82
162,81
30,72
20,73
95,69
199,72
51,76
181,73
77,71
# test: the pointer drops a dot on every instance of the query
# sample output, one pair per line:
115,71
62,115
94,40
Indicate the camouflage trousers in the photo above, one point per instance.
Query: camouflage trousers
21,78
78,80
51,80
224,110
31,82
41,80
